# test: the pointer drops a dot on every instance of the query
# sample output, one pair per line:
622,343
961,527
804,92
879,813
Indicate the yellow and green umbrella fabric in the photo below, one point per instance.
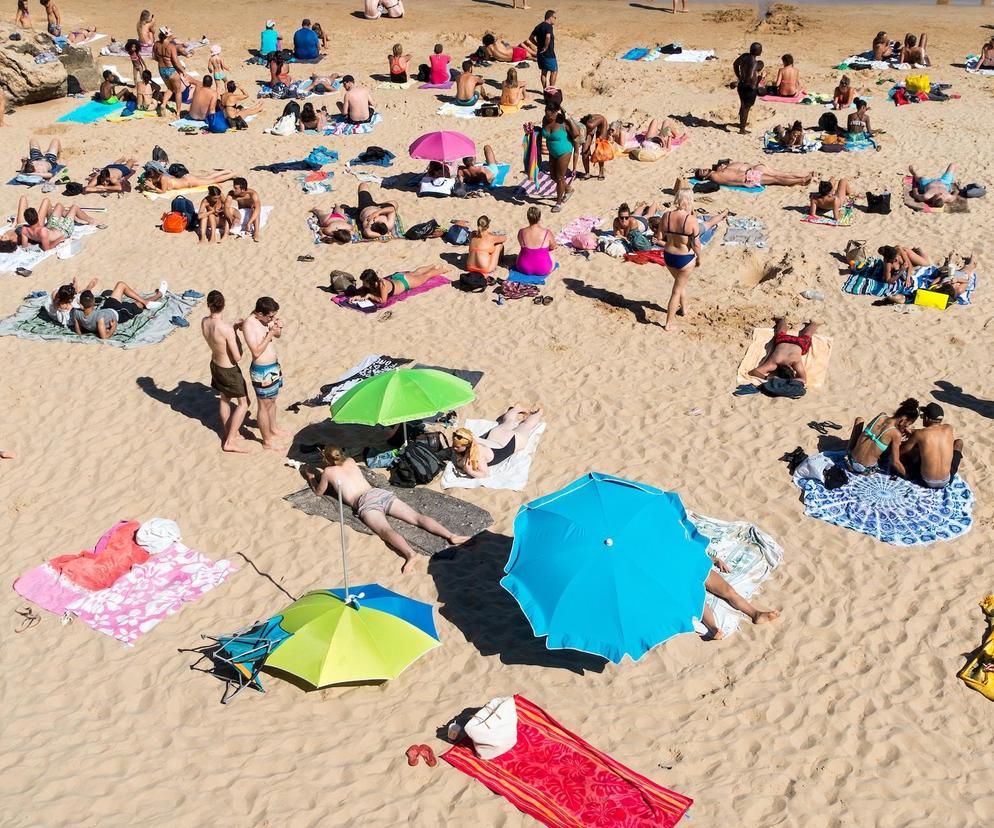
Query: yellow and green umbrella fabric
400,396
376,635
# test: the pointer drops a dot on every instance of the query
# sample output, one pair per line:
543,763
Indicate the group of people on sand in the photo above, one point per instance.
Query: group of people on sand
86,313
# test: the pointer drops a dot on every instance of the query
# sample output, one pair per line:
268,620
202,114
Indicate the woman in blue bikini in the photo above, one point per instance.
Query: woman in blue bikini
869,441
681,250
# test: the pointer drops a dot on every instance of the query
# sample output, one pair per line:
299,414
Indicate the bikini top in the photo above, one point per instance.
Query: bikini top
875,438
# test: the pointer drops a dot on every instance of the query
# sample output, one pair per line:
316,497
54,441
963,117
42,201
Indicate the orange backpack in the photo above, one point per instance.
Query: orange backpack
174,223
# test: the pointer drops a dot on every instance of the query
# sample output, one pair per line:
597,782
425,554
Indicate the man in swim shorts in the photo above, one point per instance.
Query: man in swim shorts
226,376
748,68
469,86
356,105
261,330
935,192
54,18
786,352
931,455
372,505
544,38
472,173
503,52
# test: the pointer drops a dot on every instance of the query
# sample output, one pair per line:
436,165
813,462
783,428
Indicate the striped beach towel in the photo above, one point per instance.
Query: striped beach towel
542,187
339,126
530,161
559,779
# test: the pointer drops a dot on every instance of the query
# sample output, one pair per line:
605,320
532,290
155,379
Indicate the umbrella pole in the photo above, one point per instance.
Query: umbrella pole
341,524
405,432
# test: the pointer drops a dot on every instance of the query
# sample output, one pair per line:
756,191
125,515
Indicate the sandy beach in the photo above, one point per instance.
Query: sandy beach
844,713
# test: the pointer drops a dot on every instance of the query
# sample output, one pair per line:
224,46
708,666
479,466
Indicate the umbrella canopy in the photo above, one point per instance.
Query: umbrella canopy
607,566
376,636
442,146
400,396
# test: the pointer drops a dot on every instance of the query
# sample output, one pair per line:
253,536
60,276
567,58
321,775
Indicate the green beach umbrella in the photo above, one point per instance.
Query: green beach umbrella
364,634
400,396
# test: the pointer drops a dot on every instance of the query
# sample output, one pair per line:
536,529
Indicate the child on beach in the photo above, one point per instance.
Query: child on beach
216,66
133,48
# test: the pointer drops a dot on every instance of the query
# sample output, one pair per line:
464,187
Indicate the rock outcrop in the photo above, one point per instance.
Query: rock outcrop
26,81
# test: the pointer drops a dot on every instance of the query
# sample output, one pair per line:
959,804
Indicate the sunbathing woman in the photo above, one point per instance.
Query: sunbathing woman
681,239
333,227
628,220
868,442
899,262
476,456
662,131
858,123
379,291
39,163
512,92
113,178
376,219
537,244
485,249
741,174
844,94
832,195
881,47
311,118
158,182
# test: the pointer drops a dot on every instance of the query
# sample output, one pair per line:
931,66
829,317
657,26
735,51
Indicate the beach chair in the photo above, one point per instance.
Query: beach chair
239,657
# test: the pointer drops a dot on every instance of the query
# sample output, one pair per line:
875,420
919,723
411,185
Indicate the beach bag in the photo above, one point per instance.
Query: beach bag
183,206
73,188
489,110
615,248
420,232
828,122
813,468
174,223
706,187
416,465
932,299
217,123
552,95
424,73
855,251
177,170
835,478
494,728
917,83
978,672
973,191
649,152
639,240
584,241
285,125
602,151
456,234
437,443
440,187
878,203
341,281
472,283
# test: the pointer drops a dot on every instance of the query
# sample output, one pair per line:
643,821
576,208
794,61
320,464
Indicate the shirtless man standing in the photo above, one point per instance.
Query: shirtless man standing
747,68
931,453
242,197
261,330
786,352
469,87
371,505
54,18
203,102
165,54
226,376
356,105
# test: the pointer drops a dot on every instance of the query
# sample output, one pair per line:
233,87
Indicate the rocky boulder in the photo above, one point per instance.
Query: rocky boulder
79,64
24,80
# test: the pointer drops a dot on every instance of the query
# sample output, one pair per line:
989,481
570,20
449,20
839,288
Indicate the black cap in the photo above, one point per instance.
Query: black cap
933,411
348,79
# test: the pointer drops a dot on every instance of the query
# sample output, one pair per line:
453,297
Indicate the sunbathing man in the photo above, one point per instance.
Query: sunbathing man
334,226
375,219
261,330
832,195
159,182
356,106
741,174
241,198
504,52
203,101
791,135
41,164
51,225
380,291
371,506
787,352
472,173
226,376
113,178
113,312
913,52
935,192
932,454
469,86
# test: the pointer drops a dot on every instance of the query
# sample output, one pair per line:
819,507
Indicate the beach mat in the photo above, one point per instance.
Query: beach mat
866,279
562,781
582,224
736,187
511,474
745,232
30,257
527,279
815,360
793,99
752,556
546,187
148,328
339,126
197,192
431,284
391,85
90,113
892,510
972,62
846,217
690,56
446,85
460,517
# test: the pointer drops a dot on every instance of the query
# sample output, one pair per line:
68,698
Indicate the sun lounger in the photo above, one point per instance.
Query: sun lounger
815,361
511,474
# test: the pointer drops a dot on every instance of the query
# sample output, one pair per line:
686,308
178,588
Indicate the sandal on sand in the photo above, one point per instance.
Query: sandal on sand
307,258
383,317
546,300
557,208
413,754
428,754
29,619
22,271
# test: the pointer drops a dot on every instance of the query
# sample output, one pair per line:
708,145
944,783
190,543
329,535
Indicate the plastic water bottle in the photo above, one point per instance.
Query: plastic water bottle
812,294
500,299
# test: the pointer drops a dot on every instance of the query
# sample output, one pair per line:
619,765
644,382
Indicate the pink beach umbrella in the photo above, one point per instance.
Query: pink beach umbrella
442,146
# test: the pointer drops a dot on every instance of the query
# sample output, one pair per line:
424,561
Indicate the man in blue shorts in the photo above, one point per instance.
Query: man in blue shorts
936,192
545,42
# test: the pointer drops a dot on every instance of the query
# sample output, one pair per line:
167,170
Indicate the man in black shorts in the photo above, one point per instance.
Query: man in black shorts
748,68
103,322
375,220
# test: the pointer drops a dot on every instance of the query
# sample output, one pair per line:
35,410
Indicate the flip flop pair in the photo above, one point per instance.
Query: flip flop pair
542,300
416,752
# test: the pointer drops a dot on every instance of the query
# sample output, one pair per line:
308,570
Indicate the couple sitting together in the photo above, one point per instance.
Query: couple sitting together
536,242
900,264
80,313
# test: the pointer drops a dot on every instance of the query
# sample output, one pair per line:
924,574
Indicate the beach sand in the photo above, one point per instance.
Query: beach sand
844,713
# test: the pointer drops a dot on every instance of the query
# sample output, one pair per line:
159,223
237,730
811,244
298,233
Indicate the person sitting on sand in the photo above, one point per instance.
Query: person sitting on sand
211,219
372,505
64,299
311,118
741,174
472,173
882,49
536,246
987,55
485,249
791,135
234,110
932,454
50,225
788,82
935,192
469,86
306,43
203,101
147,93
512,91
858,123
108,92
628,219
844,94
786,352
241,198
356,106
113,312
504,52
899,263
40,163
318,29
375,219
380,291
595,145
869,441
333,226
157,181
832,196
913,52
438,66
278,71
398,63
113,178
476,456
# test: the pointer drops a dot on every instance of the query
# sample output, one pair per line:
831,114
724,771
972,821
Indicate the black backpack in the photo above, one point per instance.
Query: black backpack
472,283
706,187
878,203
420,232
178,170
828,122
415,466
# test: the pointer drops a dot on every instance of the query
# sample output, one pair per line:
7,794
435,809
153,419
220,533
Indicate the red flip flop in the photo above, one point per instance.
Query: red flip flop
428,754
413,753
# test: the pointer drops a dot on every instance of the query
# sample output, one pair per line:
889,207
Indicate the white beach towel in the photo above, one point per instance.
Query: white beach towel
752,556
511,474
690,56
31,257
90,39
246,212
457,111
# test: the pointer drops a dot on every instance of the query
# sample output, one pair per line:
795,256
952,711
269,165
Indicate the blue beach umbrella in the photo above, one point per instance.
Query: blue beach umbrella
607,566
